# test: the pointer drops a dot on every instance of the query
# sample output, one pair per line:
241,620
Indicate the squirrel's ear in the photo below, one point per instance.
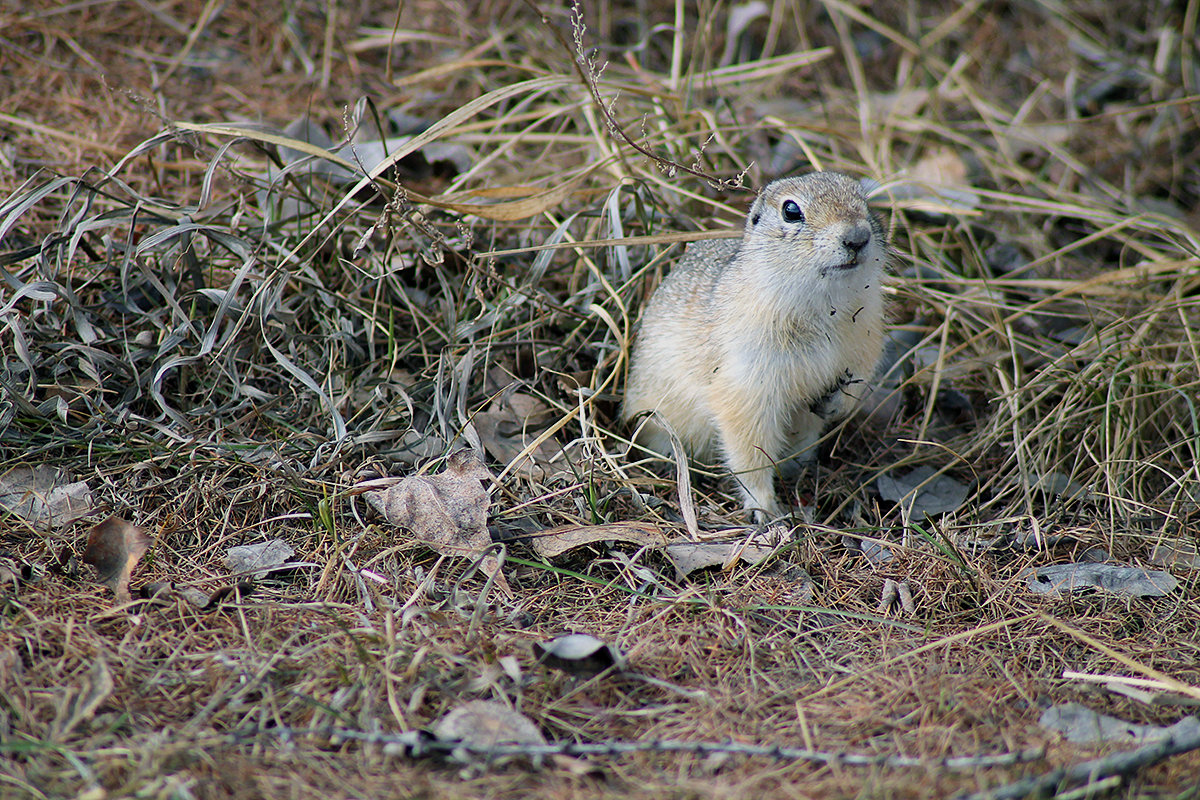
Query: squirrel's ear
755,213
869,186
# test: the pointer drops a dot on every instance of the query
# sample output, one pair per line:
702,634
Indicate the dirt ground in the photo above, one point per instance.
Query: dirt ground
214,342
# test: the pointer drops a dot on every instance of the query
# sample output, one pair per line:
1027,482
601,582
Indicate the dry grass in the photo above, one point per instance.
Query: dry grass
223,370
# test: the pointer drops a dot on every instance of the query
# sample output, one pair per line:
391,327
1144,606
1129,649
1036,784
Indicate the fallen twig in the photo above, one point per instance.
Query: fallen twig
1098,769
419,743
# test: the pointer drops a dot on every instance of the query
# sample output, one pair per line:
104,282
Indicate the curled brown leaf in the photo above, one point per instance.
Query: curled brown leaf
114,548
447,511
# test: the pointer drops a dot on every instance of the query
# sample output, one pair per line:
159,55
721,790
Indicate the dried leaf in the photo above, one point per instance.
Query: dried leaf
447,511
44,496
510,425
261,557
687,557
1176,553
162,592
1082,725
114,548
942,167
877,552
938,184
935,495
237,592
578,654
1062,578
485,723
556,541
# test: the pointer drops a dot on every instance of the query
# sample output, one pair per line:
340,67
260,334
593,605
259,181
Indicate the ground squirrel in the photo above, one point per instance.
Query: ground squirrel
750,346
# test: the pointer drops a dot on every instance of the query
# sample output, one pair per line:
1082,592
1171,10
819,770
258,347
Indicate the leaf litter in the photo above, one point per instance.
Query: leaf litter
44,496
482,723
510,429
1063,578
263,558
922,492
114,548
578,654
447,511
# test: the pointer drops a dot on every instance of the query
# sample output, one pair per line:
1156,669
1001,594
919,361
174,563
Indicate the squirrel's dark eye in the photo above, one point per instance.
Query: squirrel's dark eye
791,211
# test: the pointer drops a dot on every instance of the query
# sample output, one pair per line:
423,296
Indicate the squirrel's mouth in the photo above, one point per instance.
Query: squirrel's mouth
835,268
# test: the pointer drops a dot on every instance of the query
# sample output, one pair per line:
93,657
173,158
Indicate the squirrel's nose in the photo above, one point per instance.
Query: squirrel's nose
857,237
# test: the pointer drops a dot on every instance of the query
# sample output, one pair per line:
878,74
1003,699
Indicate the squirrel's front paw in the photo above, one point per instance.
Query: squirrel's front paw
833,403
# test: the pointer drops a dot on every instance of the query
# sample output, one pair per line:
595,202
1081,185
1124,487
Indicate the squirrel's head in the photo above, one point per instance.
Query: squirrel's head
819,221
